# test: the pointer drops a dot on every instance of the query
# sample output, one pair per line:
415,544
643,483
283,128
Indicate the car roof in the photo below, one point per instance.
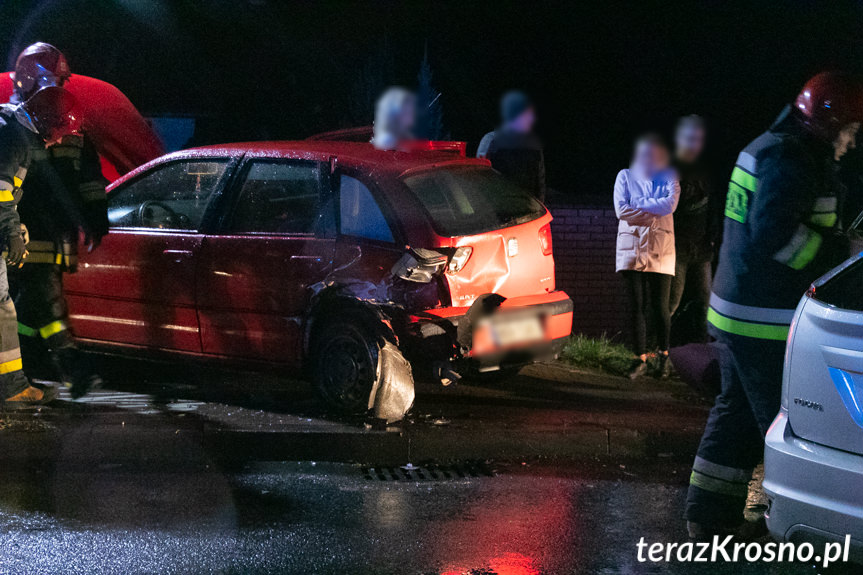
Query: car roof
356,154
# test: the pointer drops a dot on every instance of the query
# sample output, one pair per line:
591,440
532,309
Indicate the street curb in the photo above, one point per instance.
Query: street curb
99,442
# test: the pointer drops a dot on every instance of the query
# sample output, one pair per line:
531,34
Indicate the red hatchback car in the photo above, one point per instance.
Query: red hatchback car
351,263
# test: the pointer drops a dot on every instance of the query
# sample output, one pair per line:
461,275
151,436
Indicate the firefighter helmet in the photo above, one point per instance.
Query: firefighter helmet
829,101
40,65
50,112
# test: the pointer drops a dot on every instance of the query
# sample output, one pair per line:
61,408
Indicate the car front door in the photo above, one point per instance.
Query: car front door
255,274
138,287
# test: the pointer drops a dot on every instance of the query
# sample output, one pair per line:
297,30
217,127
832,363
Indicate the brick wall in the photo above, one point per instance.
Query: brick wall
584,247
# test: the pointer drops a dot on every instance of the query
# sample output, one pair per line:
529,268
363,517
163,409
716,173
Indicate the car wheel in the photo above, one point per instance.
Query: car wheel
345,361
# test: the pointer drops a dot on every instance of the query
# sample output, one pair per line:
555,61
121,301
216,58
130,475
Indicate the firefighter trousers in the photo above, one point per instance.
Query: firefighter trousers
733,440
12,379
48,349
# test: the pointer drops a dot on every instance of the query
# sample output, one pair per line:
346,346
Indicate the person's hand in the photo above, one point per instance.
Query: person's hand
17,251
92,241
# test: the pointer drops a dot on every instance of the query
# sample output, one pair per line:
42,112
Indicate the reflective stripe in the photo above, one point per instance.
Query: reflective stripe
40,246
41,258
718,485
800,251
733,474
747,329
92,191
826,220
10,355
736,203
66,151
744,179
52,328
6,196
26,330
58,259
18,182
10,366
825,204
747,161
751,313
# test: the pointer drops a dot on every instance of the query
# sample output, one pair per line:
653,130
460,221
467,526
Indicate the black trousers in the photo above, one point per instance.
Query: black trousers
733,440
47,348
649,296
690,298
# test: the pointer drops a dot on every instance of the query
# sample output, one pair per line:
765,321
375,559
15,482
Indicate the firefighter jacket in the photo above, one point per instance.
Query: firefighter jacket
65,194
780,233
17,146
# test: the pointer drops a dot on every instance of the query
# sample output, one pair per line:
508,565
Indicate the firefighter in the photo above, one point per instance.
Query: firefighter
781,233
47,113
64,195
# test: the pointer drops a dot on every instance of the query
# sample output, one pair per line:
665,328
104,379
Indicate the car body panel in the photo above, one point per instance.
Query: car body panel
813,462
138,288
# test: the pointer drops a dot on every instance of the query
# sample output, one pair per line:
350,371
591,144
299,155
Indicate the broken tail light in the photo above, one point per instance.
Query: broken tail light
459,259
545,239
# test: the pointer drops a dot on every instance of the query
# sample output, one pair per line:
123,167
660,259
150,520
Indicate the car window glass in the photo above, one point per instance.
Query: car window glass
172,197
464,201
280,198
360,214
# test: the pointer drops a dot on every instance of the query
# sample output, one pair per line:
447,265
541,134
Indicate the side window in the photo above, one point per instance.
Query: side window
279,198
360,214
171,197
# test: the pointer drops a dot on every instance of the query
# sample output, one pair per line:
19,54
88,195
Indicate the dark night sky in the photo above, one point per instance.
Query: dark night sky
600,72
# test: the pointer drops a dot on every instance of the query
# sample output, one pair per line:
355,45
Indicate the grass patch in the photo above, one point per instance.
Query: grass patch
597,353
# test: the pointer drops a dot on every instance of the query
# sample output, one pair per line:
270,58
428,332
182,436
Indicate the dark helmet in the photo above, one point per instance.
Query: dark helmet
50,112
40,65
829,101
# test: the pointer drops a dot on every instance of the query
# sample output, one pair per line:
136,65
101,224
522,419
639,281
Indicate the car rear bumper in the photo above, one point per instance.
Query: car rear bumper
814,491
553,311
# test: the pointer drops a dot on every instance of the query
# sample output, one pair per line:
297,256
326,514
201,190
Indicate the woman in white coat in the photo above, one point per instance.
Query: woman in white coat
645,197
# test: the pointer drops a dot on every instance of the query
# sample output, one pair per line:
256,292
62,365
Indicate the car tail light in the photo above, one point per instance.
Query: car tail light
545,239
459,259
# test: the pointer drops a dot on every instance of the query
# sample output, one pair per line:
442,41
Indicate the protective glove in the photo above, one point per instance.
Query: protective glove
17,251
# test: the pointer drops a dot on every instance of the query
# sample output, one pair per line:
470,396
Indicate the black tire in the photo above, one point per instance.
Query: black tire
344,358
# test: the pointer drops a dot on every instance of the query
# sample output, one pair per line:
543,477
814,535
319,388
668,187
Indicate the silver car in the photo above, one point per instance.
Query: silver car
813,461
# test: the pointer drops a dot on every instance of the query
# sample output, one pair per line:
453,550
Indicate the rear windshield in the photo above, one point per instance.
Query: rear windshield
463,201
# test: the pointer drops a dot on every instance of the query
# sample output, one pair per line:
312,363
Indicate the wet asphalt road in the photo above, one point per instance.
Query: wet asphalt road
331,518
555,472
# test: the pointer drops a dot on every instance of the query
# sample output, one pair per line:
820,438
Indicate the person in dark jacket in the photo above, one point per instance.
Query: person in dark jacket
25,130
514,149
781,233
64,194
696,230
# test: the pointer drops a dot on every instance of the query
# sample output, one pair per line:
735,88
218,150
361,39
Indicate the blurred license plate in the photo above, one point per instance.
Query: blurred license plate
517,330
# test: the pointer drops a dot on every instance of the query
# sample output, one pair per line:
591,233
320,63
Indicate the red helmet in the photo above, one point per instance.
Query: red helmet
829,101
40,65
50,111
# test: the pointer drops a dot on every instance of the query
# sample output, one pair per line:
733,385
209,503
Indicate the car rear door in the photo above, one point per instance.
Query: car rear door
275,242
138,286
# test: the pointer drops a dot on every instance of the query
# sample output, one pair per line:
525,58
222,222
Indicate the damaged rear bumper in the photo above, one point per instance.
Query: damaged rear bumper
518,331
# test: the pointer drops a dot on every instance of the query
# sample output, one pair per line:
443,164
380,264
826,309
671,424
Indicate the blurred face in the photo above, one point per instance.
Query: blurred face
650,157
846,140
689,142
524,123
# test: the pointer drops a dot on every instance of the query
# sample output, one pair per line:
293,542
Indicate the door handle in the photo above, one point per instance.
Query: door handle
178,255
315,258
